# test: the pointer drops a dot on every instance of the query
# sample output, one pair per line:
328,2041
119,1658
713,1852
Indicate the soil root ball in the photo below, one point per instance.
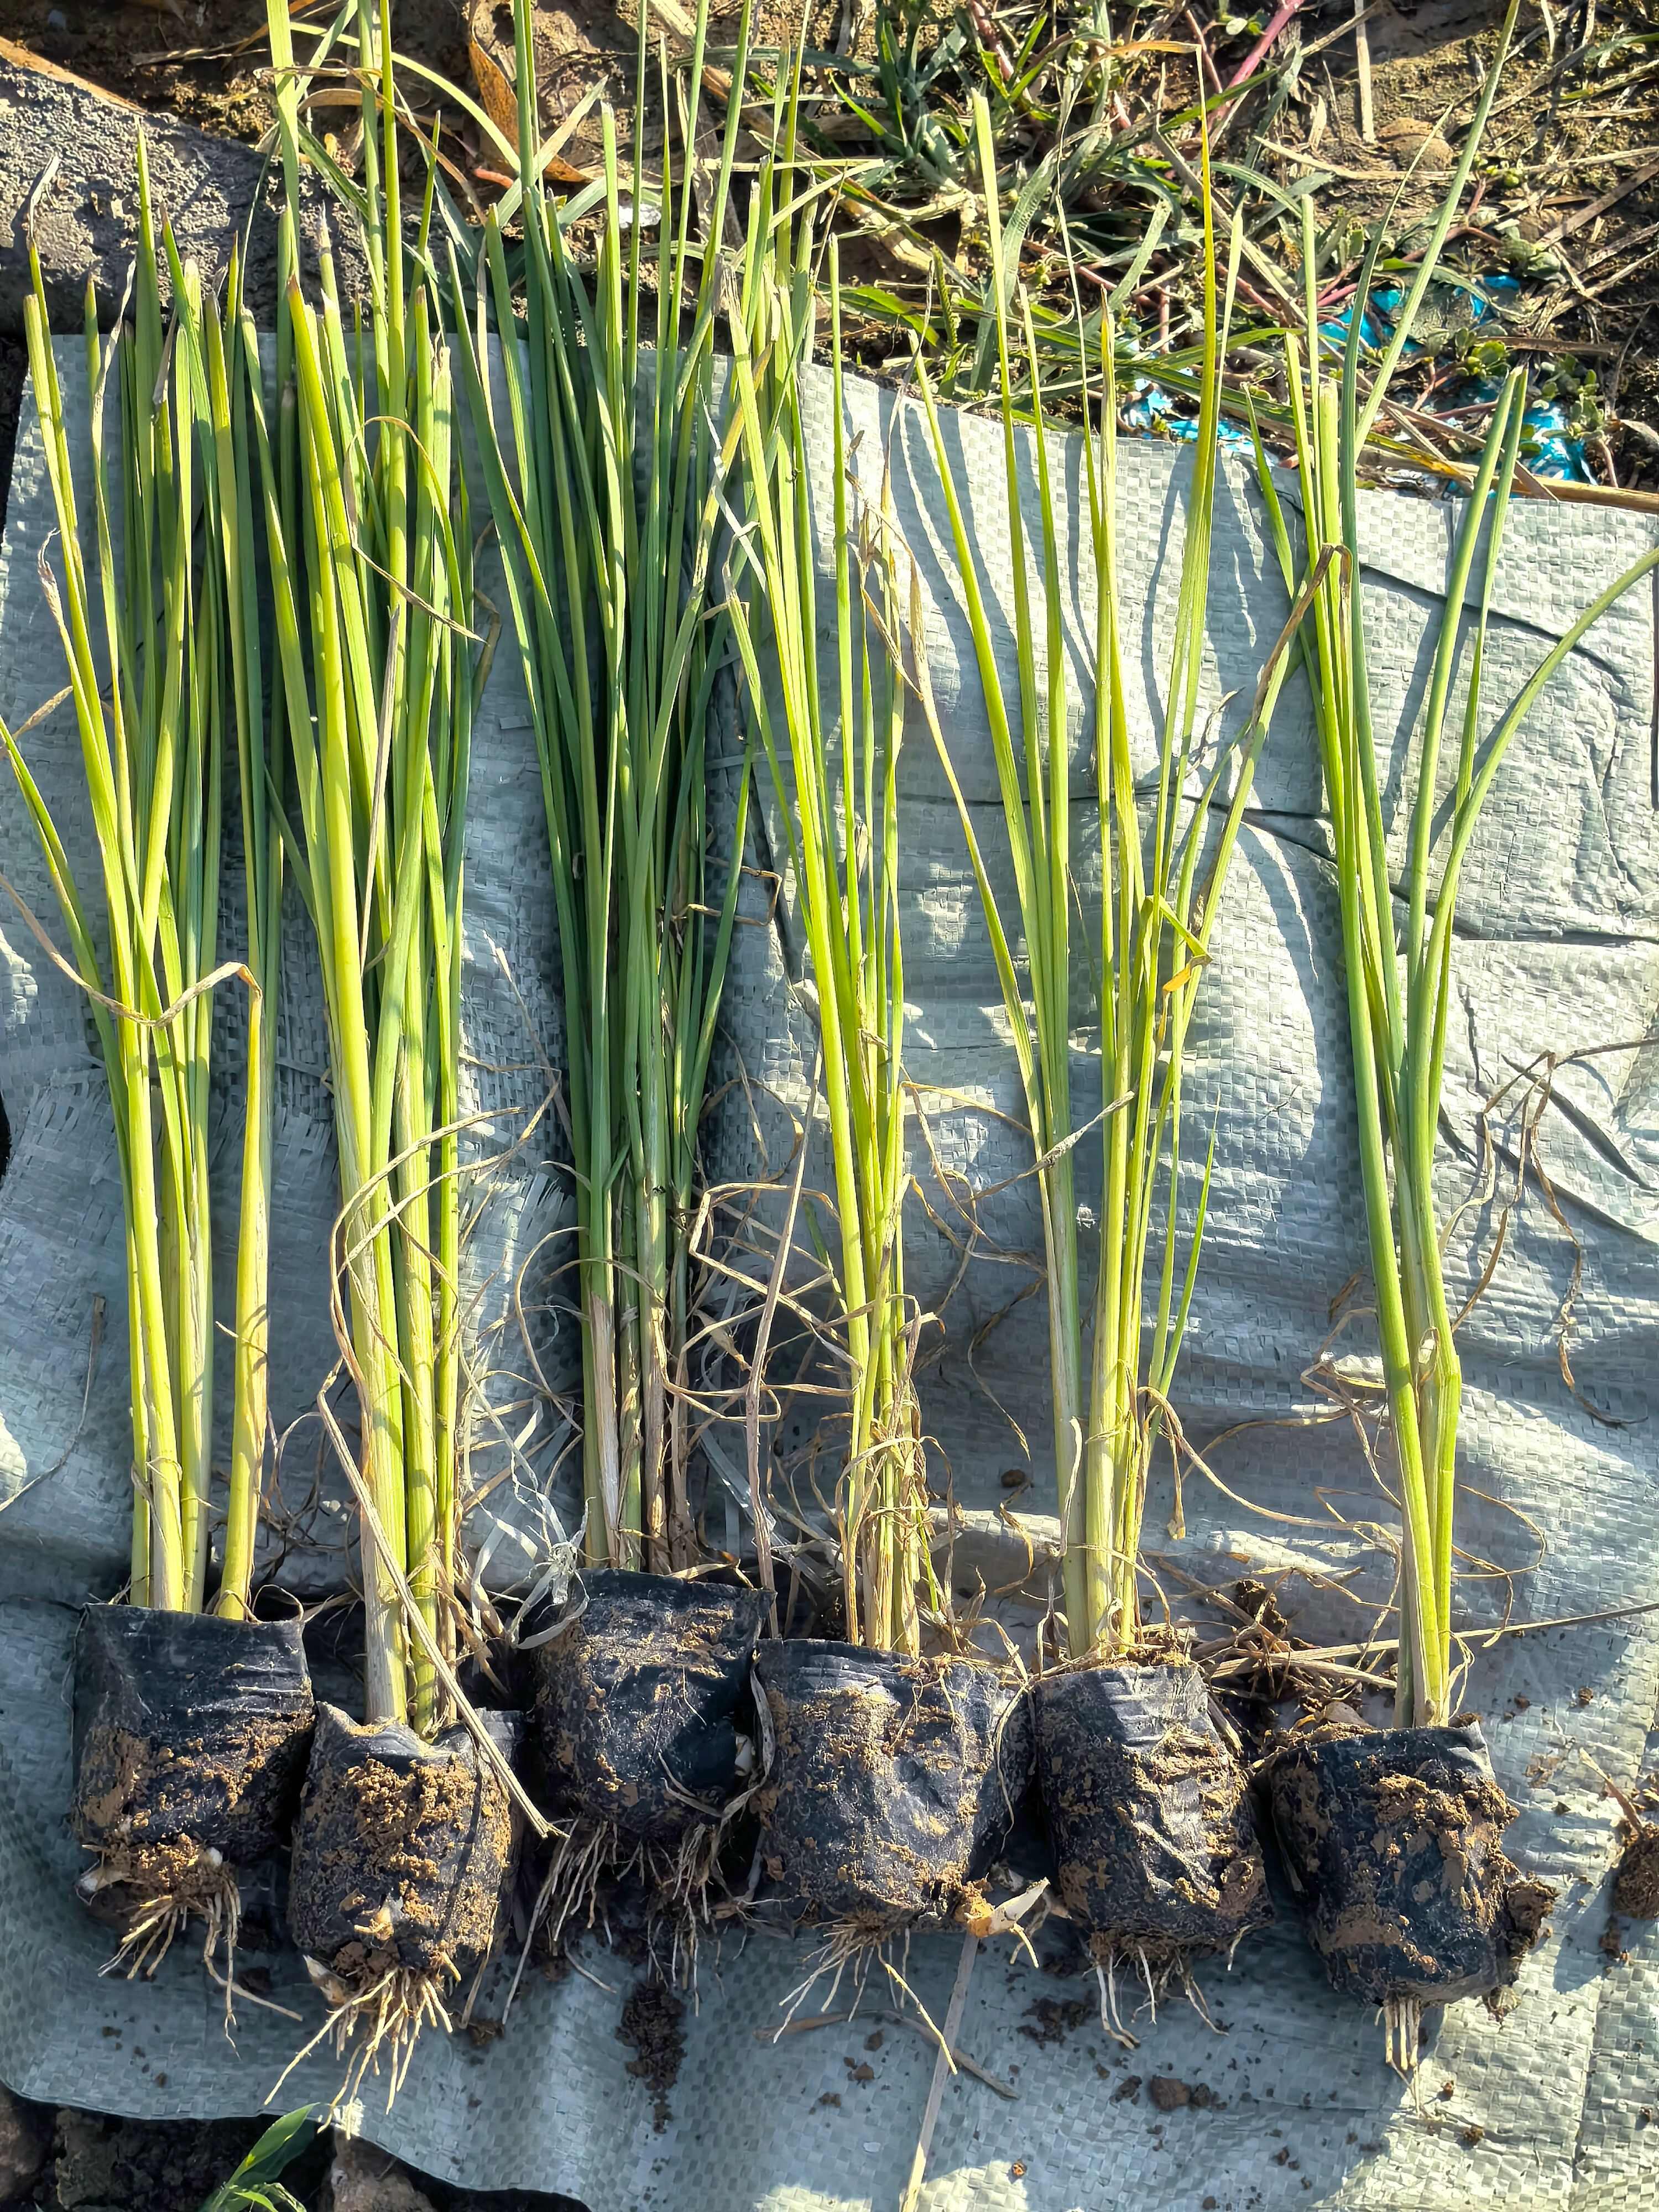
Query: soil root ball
403,1852
1157,1856
636,1702
893,1783
1394,1838
191,1735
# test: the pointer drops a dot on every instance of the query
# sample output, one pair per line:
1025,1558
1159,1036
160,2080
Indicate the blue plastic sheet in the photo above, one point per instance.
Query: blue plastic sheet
1550,450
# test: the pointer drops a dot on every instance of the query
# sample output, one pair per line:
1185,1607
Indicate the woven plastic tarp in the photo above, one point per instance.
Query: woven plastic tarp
1558,952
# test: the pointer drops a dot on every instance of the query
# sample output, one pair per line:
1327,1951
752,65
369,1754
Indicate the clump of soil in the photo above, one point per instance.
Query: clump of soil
643,1729
1149,1814
634,1706
651,2027
189,1740
402,1855
1172,2095
1051,2019
187,1726
1256,1600
893,1784
1393,1837
1635,1880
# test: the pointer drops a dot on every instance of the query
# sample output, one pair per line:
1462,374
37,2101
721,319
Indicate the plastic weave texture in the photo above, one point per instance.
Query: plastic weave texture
1557,953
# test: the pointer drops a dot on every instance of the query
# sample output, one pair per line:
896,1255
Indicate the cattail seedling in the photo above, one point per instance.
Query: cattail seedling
160,633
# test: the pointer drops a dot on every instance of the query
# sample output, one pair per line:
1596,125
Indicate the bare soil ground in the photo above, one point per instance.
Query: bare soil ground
1566,197
95,2163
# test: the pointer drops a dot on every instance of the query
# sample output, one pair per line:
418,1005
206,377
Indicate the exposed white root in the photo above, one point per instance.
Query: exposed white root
1402,2029
1158,1974
1110,2018
1195,1998
381,2018
905,1991
860,1946
846,1945
172,1885
680,1881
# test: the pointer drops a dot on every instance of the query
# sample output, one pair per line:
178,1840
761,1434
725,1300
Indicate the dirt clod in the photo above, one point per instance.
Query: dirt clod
1051,2019
1127,2089
1168,2093
365,2178
1636,1884
1408,139
1258,1600
651,2027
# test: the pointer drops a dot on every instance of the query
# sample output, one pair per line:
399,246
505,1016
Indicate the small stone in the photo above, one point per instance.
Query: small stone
1407,136
25,2139
57,20
365,2179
